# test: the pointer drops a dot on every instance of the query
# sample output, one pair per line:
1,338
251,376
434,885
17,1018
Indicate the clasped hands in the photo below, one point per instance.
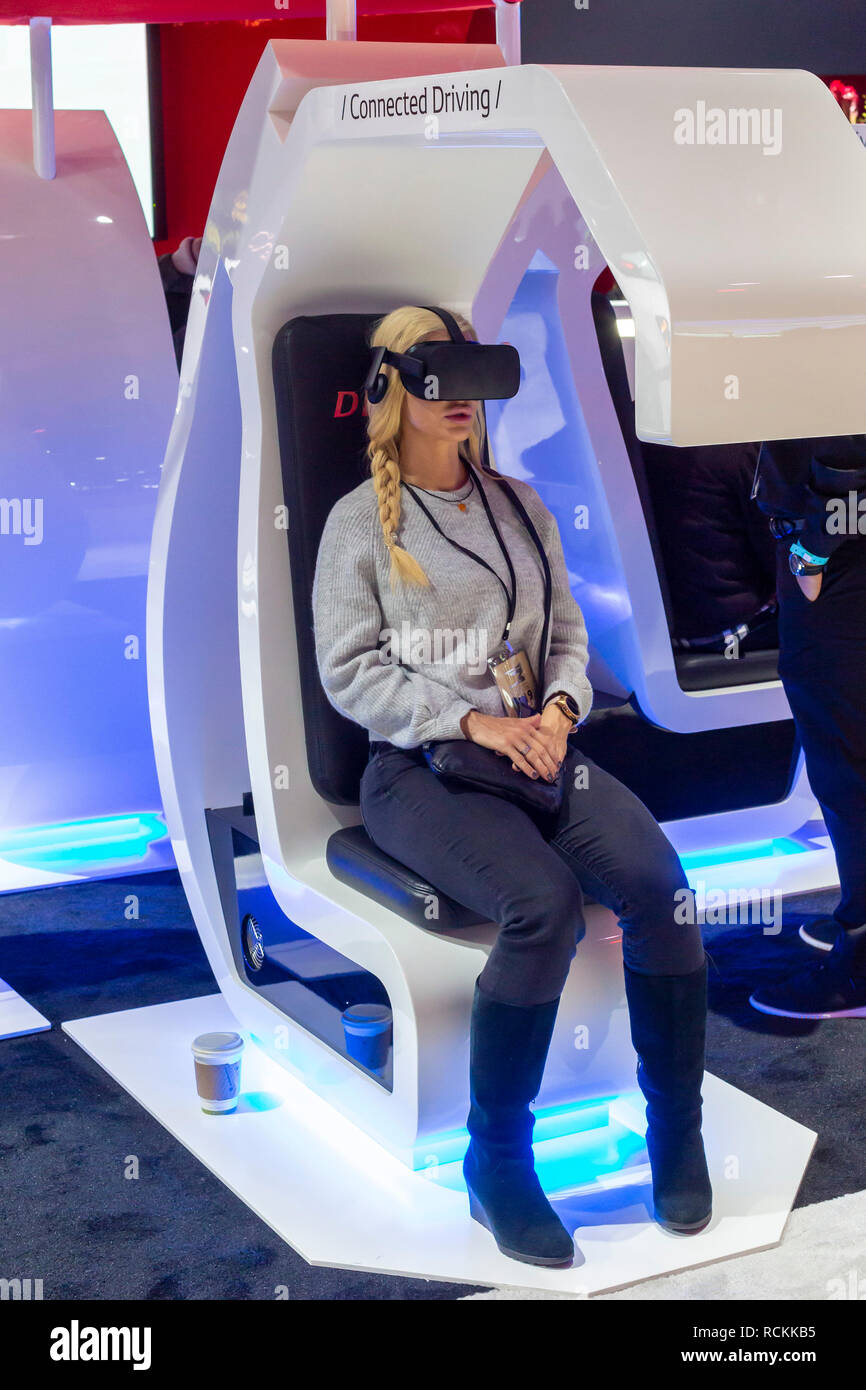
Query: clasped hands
536,745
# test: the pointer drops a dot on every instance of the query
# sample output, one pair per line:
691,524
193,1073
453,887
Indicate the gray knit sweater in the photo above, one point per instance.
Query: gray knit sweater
407,663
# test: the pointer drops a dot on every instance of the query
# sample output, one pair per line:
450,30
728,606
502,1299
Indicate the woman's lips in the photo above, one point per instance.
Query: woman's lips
458,415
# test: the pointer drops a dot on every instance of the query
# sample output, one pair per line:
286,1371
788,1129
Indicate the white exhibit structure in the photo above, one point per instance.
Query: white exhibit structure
358,178
86,392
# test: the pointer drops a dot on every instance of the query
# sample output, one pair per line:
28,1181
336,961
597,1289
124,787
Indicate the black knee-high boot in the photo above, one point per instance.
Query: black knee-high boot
508,1049
668,1015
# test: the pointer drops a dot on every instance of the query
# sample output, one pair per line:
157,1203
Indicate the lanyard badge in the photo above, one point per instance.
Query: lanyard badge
511,670
515,679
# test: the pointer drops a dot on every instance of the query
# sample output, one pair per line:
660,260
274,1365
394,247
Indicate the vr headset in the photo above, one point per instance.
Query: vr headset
461,370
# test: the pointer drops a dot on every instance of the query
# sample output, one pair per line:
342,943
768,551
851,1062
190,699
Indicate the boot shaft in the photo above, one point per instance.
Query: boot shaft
507,1051
668,1019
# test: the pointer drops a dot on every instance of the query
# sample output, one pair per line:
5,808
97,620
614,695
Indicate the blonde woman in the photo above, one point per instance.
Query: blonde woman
410,553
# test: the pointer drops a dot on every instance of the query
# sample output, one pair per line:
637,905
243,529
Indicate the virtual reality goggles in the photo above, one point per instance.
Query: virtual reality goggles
461,370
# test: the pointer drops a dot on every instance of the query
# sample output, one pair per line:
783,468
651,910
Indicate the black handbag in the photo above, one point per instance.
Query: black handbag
488,771
462,760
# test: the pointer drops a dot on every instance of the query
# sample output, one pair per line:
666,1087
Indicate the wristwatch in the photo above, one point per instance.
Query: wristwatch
802,562
567,705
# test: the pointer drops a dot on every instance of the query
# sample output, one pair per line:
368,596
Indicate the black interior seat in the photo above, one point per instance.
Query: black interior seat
319,367
695,670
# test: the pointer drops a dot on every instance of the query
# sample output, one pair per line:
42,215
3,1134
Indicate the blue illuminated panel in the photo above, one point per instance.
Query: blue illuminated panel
575,1147
85,846
733,854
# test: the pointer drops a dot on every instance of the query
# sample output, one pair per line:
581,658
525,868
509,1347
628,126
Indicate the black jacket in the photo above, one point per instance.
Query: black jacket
177,288
809,481
718,554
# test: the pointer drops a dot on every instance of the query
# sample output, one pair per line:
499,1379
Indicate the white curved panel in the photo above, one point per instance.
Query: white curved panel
87,385
563,436
334,212
197,566
718,209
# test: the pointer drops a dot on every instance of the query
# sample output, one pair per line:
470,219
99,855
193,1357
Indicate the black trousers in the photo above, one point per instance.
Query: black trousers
822,663
528,871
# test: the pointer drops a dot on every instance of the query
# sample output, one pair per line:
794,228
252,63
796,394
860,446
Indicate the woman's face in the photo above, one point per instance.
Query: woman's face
450,421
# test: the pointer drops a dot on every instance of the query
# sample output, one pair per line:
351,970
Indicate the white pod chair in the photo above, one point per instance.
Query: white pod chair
331,208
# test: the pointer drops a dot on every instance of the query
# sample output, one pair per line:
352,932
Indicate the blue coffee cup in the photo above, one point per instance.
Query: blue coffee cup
368,1030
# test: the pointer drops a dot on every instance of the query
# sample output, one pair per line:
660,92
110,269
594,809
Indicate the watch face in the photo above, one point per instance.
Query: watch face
799,566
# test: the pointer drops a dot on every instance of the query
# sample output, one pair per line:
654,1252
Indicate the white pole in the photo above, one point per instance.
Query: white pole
341,20
42,97
508,30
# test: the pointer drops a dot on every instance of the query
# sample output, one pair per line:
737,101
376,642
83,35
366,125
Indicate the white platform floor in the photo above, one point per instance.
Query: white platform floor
340,1199
17,1017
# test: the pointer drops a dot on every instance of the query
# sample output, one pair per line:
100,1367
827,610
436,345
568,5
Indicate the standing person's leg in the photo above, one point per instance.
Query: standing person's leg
822,663
620,855
488,854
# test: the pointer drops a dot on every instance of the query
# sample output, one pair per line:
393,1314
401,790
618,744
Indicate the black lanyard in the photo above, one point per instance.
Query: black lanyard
512,596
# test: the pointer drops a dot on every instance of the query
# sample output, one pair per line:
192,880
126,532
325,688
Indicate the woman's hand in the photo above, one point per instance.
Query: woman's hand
560,726
530,743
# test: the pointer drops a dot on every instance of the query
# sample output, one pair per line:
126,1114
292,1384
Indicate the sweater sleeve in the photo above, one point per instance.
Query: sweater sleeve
397,705
567,656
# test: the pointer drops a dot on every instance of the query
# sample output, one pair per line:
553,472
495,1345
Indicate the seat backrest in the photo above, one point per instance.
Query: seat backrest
695,670
320,363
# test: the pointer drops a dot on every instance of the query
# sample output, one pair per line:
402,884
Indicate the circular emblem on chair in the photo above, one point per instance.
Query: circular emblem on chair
253,942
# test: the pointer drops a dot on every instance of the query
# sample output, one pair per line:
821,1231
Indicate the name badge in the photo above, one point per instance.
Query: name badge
515,678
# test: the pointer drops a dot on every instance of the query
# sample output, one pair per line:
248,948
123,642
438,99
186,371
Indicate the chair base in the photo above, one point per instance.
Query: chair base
342,1200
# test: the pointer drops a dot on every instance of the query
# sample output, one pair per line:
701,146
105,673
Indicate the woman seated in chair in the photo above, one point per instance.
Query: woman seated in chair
431,544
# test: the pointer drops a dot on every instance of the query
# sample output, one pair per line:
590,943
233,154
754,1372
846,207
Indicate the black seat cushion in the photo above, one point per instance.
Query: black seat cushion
353,858
712,670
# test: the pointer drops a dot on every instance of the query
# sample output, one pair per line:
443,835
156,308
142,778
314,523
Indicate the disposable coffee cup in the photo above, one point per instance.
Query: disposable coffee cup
217,1059
367,1029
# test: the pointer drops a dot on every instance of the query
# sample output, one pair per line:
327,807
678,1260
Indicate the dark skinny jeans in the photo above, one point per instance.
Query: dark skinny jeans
528,871
823,670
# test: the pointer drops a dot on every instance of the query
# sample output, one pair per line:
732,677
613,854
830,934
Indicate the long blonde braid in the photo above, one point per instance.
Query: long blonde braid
385,471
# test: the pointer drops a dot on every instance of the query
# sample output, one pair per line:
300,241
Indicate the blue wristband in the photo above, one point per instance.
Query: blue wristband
798,549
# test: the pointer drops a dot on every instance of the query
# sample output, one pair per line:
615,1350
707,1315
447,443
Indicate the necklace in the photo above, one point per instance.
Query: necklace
459,504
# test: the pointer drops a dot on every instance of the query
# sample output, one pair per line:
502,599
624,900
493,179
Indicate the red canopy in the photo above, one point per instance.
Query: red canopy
189,11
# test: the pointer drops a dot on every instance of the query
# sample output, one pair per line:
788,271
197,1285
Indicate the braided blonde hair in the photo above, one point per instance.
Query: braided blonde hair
398,331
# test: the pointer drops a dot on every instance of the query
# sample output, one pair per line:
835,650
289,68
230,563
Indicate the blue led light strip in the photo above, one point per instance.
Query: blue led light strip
733,854
82,846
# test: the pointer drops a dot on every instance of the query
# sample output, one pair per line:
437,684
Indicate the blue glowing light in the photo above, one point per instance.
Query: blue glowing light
552,1122
733,854
612,1157
575,1147
84,846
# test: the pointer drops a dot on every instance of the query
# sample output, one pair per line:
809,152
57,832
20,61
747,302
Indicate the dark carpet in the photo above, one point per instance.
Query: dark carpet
71,1218
68,1215
812,1072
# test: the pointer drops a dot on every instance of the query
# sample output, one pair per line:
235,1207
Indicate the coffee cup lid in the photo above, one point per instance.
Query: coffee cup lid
371,1015
217,1043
